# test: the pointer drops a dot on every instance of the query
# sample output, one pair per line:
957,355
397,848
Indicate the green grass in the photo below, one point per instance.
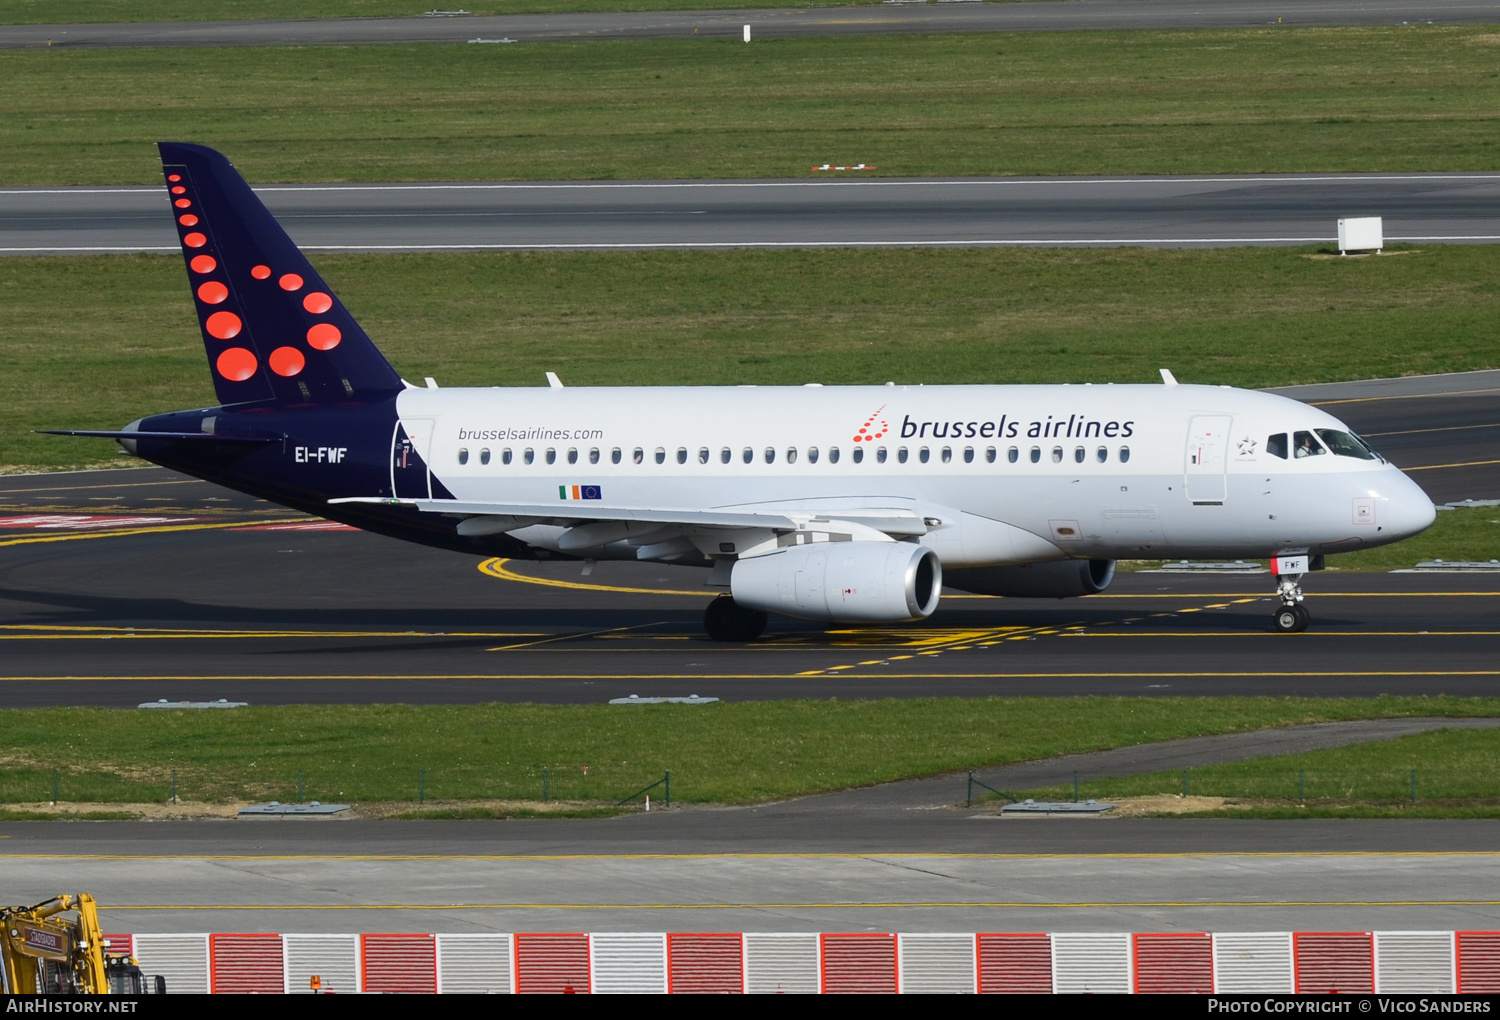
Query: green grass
1471,533
76,12
1401,98
128,344
1456,776
724,753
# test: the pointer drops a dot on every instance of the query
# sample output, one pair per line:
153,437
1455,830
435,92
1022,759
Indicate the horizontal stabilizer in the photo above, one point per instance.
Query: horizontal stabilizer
192,437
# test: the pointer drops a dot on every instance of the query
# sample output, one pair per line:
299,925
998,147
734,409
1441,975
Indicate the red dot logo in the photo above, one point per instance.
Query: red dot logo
287,361
179,190
261,272
203,264
182,203
195,240
317,302
213,292
174,178
236,364
325,336
291,281
188,220
223,325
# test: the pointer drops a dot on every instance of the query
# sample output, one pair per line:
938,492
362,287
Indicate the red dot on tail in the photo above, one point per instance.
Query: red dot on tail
286,361
188,220
203,264
213,292
195,240
291,281
261,272
317,302
182,203
223,325
179,190
325,336
174,178
236,364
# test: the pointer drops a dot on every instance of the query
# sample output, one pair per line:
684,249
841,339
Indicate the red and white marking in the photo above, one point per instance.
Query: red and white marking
86,522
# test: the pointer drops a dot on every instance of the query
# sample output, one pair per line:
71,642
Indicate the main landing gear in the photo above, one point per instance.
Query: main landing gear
1291,616
727,620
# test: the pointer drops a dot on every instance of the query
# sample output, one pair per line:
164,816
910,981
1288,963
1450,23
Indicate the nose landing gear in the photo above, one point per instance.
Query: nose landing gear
1291,616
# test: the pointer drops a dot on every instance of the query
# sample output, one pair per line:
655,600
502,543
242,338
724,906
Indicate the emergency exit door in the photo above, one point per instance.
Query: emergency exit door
1207,449
409,449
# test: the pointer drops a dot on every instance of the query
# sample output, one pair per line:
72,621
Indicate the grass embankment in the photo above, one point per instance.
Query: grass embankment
1240,101
94,342
1455,770
724,753
79,12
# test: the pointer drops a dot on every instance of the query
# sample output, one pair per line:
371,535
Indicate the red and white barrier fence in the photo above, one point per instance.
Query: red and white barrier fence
1430,962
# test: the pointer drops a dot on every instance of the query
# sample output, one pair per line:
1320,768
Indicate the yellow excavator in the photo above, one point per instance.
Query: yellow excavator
56,948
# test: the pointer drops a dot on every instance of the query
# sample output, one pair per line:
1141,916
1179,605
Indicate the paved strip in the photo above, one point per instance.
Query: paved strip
929,892
1194,211
781,22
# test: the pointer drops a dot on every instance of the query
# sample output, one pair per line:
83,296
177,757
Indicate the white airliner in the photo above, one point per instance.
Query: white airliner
849,503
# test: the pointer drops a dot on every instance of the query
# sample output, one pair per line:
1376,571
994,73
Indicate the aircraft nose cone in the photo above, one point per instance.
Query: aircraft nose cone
1410,510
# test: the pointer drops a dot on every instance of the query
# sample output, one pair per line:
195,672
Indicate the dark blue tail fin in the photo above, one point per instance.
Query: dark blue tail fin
272,327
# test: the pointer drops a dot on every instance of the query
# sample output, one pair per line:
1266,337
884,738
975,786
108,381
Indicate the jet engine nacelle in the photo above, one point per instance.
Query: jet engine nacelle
865,582
1059,579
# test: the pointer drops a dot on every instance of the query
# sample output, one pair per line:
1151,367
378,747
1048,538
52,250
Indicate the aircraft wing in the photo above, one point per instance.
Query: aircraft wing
581,512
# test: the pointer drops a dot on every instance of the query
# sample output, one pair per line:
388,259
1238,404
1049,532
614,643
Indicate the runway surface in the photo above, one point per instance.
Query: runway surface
123,587
1208,211
862,20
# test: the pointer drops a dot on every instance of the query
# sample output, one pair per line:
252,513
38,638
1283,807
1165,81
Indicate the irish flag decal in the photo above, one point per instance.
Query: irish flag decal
579,492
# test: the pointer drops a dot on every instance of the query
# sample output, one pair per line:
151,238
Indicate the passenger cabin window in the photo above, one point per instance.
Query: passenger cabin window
484,456
812,454
505,455
463,456
880,455
551,455
747,455
703,455
661,455
1057,455
923,454
573,456
614,455
968,455
1344,445
833,455
1124,455
1276,445
1013,455
639,456
1078,455
791,455
529,455
1036,454
1304,445
770,455
947,455
1101,454
726,455
901,455
594,455
859,455
682,455
989,455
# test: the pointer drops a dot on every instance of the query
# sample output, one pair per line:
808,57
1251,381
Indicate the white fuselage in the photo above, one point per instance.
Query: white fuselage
1083,471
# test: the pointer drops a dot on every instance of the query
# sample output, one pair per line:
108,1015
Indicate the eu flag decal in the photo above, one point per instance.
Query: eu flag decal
579,492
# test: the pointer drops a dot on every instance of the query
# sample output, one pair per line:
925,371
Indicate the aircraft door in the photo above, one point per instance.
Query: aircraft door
409,449
1207,449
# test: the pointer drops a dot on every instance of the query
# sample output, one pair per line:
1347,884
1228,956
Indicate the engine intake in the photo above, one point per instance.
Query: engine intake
1059,579
874,582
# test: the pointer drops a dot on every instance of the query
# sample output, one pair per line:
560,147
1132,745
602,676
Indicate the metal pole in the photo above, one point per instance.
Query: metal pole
668,782
1184,782
174,786
1075,788
421,786
1302,786
544,786
969,801
54,786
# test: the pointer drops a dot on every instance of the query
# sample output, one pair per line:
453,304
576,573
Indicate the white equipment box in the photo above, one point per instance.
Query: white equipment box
1361,233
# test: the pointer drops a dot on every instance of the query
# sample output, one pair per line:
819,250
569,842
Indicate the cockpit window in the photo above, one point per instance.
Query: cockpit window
1344,445
1304,445
1276,445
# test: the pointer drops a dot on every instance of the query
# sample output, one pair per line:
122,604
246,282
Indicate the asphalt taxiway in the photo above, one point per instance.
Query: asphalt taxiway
122,587
872,19
1186,211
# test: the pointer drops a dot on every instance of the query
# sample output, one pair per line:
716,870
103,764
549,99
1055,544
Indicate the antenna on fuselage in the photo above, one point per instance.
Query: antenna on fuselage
553,381
1167,378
